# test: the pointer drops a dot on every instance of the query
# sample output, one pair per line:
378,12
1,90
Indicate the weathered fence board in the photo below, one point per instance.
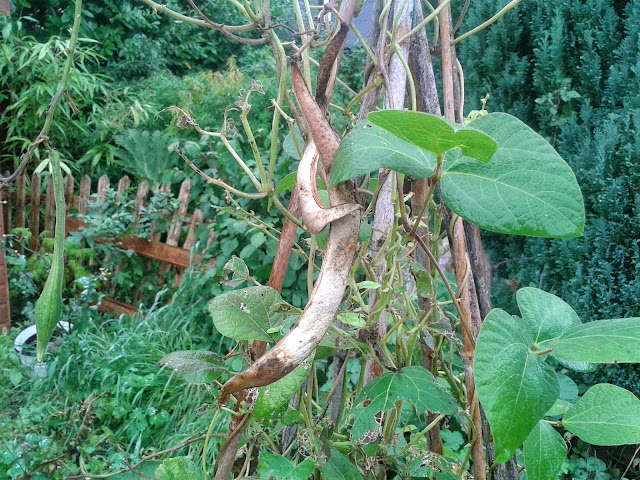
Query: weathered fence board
26,206
147,248
21,200
83,195
49,207
34,221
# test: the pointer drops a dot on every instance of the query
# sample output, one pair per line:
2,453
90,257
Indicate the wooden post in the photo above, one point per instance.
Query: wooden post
34,221
6,210
49,208
5,311
68,193
83,197
123,186
21,201
175,229
141,196
196,219
5,7
103,184
153,234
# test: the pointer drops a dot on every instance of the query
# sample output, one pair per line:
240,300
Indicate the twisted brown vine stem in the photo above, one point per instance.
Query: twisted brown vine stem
327,294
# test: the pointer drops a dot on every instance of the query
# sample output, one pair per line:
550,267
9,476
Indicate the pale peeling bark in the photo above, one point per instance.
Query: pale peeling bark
315,217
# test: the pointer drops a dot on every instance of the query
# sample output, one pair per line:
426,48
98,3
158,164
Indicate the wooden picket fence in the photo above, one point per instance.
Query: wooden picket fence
23,208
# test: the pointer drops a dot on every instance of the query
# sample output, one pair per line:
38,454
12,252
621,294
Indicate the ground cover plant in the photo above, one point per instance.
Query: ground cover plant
104,394
419,377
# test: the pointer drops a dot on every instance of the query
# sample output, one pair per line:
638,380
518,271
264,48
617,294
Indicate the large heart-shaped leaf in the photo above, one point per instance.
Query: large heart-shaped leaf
414,384
338,467
605,415
603,341
246,314
544,452
545,315
274,398
195,366
275,466
368,148
567,397
435,134
515,386
526,188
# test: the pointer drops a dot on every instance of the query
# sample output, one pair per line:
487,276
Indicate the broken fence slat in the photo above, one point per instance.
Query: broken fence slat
49,207
150,249
83,196
115,307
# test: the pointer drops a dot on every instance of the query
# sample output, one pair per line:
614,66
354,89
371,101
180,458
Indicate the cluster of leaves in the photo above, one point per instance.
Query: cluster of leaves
131,278
28,271
30,70
586,104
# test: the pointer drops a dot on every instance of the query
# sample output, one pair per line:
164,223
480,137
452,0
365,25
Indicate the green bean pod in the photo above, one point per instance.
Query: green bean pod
49,305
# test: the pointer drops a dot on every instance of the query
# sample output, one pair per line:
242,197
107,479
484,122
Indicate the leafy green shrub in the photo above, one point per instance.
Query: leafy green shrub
86,120
137,42
146,155
567,68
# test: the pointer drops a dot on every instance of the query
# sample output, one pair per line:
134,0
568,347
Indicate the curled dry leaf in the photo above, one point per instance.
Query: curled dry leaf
314,216
327,294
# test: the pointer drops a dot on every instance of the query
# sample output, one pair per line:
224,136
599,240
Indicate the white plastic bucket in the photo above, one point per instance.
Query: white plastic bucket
28,336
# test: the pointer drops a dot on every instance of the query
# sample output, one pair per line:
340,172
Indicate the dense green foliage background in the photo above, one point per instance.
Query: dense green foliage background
571,70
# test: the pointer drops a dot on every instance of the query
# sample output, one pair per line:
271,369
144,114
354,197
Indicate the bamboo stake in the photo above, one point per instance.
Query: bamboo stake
460,257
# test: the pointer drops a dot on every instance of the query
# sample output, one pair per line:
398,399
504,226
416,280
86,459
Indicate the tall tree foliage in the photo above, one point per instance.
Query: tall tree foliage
572,69
137,42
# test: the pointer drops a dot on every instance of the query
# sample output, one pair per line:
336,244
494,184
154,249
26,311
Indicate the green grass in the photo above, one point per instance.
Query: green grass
104,389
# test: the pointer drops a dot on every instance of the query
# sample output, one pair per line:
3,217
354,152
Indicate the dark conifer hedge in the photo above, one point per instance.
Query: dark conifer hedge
572,71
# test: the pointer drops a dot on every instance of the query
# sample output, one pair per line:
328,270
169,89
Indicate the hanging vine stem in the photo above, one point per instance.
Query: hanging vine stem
510,6
225,30
184,119
217,182
244,111
412,85
428,19
201,23
461,17
49,305
206,443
